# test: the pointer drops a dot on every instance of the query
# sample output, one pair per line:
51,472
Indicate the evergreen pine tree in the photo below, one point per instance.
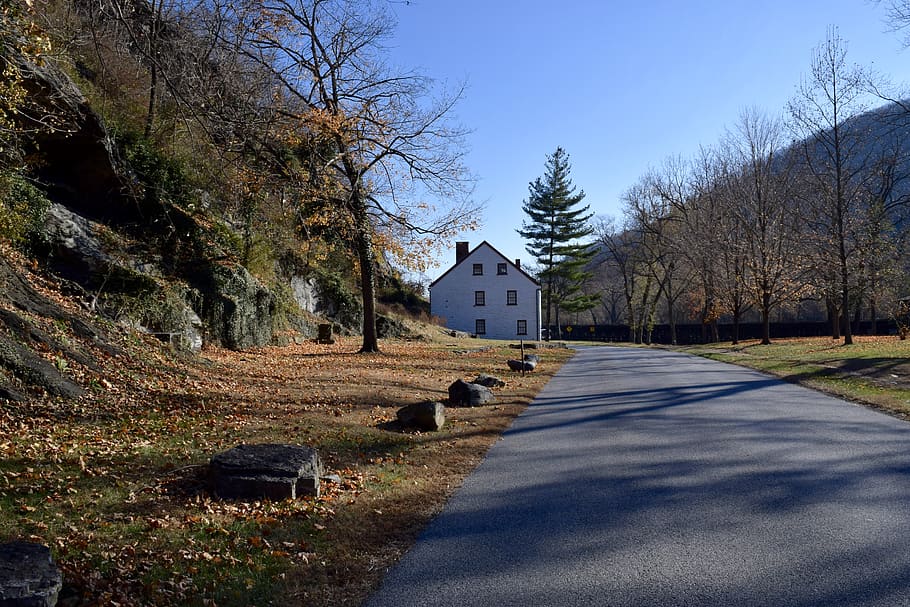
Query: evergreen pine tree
554,230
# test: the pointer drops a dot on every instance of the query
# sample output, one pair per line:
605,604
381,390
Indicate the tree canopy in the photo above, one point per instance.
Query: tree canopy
555,228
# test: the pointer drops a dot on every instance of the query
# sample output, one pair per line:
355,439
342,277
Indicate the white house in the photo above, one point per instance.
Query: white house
487,295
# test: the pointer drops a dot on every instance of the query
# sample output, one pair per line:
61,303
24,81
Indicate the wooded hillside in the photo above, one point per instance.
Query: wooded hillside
216,172
799,218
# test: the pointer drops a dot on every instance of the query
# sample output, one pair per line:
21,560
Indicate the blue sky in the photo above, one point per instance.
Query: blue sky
620,85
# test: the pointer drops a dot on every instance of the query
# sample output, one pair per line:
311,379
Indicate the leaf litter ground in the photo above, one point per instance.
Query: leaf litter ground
115,482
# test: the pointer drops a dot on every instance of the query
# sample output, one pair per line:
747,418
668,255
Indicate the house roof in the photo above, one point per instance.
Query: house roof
504,258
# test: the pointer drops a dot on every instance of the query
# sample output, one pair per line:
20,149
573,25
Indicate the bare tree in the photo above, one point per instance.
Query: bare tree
660,214
834,157
881,239
625,254
608,286
650,218
898,17
707,239
381,145
766,220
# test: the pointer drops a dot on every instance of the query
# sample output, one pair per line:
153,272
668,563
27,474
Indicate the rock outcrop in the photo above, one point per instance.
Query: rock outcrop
78,159
236,308
143,258
21,338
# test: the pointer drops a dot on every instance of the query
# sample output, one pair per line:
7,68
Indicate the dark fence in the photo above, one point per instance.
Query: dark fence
697,333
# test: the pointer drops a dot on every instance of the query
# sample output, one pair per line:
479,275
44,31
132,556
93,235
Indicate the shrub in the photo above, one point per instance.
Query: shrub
161,178
22,210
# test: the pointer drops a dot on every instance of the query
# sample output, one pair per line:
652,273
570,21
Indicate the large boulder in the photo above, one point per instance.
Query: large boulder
28,576
124,287
426,416
465,394
266,471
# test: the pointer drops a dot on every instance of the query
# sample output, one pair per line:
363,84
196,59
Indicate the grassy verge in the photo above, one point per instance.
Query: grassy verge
115,482
873,371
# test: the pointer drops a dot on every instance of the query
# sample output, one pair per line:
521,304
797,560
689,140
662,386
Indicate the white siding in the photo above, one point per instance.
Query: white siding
452,297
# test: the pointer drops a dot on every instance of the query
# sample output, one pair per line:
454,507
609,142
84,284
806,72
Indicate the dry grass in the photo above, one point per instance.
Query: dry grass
115,482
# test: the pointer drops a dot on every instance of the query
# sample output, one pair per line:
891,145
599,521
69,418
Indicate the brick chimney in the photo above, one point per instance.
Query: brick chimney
461,251
518,263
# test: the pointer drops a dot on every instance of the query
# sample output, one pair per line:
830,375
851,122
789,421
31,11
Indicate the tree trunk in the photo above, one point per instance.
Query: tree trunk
153,90
833,318
367,280
672,317
705,310
671,312
766,319
845,306
549,293
873,317
153,69
652,313
630,310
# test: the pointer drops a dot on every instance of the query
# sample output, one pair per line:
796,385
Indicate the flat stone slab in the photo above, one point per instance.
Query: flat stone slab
266,471
28,576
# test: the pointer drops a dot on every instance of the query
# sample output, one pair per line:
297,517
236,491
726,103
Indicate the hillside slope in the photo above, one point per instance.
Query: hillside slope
123,254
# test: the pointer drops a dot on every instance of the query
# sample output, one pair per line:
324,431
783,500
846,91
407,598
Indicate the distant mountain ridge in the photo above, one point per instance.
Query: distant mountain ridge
880,139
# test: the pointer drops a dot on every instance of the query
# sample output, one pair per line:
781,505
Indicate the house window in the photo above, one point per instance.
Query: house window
511,298
522,327
480,326
501,269
478,269
480,298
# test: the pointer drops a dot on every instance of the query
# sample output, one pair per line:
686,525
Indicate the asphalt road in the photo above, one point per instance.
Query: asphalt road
642,477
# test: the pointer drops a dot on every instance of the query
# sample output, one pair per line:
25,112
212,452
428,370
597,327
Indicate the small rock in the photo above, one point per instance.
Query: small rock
325,334
468,394
489,381
28,575
426,416
521,365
